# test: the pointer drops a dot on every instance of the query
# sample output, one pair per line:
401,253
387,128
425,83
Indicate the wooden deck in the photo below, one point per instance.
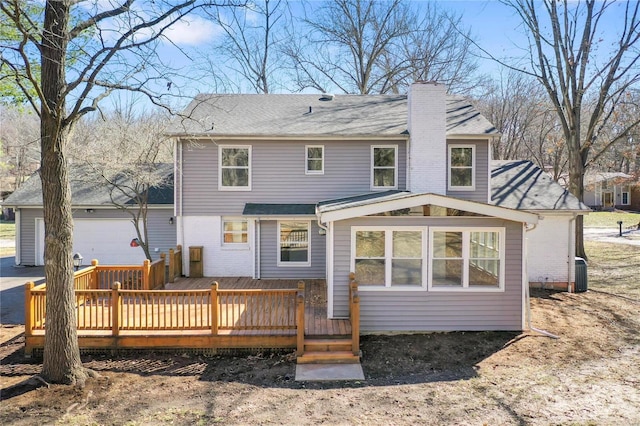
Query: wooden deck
248,314
315,301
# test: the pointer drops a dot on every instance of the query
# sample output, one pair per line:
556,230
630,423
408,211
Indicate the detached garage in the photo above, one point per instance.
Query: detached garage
101,231
107,240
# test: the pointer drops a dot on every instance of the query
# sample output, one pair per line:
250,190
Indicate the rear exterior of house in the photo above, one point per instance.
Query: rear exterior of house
394,188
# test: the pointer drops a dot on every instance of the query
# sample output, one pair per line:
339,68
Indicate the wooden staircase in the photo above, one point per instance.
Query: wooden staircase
319,343
334,350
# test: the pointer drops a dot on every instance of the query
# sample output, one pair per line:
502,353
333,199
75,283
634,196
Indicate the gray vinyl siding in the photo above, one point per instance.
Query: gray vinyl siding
269,252
162,235
424,310
482,171
278,174
28,235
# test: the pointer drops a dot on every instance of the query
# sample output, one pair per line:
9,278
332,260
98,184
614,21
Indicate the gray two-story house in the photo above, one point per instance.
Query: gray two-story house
394,188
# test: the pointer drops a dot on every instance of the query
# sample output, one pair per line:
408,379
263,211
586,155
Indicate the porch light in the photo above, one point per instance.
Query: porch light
171,220
77,260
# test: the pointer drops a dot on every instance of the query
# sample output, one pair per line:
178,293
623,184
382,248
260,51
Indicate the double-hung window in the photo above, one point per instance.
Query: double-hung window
462,167
235,232
388,257
314,160
293,242
234,168
467,259
625,195
384,166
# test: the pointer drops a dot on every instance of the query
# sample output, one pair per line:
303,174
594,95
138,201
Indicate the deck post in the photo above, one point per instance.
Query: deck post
146,269
214,308
28,317
354,313
115,309
94,274
300,318
172,263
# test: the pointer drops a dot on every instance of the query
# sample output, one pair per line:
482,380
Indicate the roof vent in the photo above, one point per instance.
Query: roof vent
327,97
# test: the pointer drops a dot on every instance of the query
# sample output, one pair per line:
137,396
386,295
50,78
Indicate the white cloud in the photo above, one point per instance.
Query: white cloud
192,31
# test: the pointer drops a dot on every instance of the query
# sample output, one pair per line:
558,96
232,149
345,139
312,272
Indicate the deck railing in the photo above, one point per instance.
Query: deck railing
354,313
175,263
111,312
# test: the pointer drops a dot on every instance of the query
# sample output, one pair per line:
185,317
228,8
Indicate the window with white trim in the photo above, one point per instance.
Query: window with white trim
314,160
625,195
293,243
235,232
388,257
384,166
466,259
234,167
462,167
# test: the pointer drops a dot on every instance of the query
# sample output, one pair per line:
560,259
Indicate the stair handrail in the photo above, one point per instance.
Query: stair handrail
354,314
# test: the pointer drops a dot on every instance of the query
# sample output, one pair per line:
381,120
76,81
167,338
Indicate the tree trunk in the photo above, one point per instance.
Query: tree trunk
576,187
61,352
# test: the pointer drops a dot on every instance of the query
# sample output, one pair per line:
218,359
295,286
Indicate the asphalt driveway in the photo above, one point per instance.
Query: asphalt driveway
12,280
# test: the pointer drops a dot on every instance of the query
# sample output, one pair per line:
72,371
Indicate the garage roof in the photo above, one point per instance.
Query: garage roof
88,189
522,185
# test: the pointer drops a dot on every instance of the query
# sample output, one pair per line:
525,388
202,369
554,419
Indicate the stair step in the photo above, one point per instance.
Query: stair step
334,357
324,345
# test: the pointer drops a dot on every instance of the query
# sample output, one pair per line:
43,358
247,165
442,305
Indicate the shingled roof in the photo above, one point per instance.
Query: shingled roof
522,185
88,190
288,115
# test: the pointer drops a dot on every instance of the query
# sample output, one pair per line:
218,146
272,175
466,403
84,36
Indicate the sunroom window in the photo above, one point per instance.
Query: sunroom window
388,258
468,259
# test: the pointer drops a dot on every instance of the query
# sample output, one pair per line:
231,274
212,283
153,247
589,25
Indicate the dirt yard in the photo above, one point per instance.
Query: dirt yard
590,375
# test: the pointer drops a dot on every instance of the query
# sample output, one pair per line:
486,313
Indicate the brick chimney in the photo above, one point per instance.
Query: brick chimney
427,145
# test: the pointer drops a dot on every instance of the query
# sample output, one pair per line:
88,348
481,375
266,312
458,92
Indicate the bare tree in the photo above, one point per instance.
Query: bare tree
346,42
362,46
519,108
437,48
584,88
87,50
253,37
131,156
20,141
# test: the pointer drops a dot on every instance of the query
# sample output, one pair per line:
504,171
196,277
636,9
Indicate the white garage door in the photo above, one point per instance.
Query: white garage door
104,239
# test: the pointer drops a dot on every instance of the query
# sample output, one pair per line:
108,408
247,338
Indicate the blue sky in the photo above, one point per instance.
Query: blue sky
494,26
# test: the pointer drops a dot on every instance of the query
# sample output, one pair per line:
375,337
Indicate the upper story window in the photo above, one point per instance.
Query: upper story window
314,160
470,260
234,168
384,166
462,167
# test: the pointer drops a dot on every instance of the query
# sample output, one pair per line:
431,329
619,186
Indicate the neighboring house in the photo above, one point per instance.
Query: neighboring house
608,190
101,231
396,188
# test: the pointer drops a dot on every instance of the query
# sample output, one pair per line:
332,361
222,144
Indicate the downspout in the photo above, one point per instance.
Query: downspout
528,296
258,251
572,253
177,175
